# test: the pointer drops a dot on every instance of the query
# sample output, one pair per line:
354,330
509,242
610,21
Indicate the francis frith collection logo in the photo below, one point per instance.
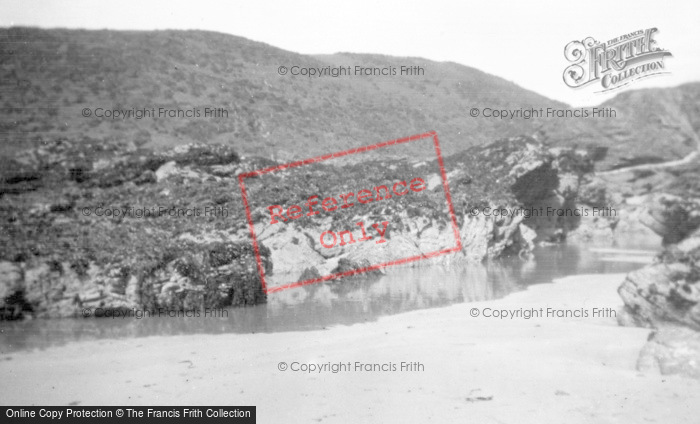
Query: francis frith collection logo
616,62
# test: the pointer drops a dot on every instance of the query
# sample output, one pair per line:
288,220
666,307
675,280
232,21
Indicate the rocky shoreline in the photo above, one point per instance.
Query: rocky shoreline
665,296
59,257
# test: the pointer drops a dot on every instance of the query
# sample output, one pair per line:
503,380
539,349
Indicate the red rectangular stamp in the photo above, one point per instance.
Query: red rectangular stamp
350,212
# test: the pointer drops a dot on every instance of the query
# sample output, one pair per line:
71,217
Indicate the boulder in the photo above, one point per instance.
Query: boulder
666,295
672,217
672,350
12,302
663,293
309,274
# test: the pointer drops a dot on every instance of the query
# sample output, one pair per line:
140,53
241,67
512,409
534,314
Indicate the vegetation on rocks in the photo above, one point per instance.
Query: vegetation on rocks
124,226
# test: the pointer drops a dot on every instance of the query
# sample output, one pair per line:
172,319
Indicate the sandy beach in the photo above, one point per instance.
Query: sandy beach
483,369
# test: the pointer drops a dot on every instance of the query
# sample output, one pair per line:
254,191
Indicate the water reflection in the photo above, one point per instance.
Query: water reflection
343,302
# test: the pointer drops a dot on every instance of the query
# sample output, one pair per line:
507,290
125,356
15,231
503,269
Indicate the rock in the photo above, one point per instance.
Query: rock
177,263
173,291
672,350
347,265
593,229
12,301
10,278
57,290
173,169
569,186
402,245
549,227
577,162
17,178
216,275
527,237
484,237
226,274
540,178
672,217
662,293
506,238
434,181
594,193
668,291
71,260
527,165
309,274
166,170
147,177
203,155
292,251
629,223
666,295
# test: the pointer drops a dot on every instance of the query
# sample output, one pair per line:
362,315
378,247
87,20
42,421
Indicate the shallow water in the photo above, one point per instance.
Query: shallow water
344,301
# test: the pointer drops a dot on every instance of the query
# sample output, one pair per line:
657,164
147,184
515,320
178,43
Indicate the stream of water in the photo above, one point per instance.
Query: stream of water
344,301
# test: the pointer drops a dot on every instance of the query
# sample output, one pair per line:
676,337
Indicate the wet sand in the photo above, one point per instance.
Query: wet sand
482,370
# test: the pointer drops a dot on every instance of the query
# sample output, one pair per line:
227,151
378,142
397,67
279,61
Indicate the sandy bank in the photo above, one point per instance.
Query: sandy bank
481,370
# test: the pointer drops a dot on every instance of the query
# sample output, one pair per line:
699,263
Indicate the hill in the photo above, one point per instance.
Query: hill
654,124
50,76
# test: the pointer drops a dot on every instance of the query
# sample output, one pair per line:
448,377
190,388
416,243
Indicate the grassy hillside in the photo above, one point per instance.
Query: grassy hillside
49,76
653,124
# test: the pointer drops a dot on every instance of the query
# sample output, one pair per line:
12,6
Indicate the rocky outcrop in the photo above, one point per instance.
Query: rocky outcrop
220,275
665,296
649,200
672,217
554,187
61,255
13,305
74,234
298,256
662,293
669,290
217,275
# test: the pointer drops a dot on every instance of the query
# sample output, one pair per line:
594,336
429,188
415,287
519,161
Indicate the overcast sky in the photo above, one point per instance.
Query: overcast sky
522,41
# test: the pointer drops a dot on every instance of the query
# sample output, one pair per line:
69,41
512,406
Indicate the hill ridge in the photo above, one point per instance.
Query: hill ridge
52,75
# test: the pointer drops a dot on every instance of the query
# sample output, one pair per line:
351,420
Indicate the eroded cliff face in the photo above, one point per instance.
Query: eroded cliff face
190,282
103,226
98,227
556,191
508,196
665,296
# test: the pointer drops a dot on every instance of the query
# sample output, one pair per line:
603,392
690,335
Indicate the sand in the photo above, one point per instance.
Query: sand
476,370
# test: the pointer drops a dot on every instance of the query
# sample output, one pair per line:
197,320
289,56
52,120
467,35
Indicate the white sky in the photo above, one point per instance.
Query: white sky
522,41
